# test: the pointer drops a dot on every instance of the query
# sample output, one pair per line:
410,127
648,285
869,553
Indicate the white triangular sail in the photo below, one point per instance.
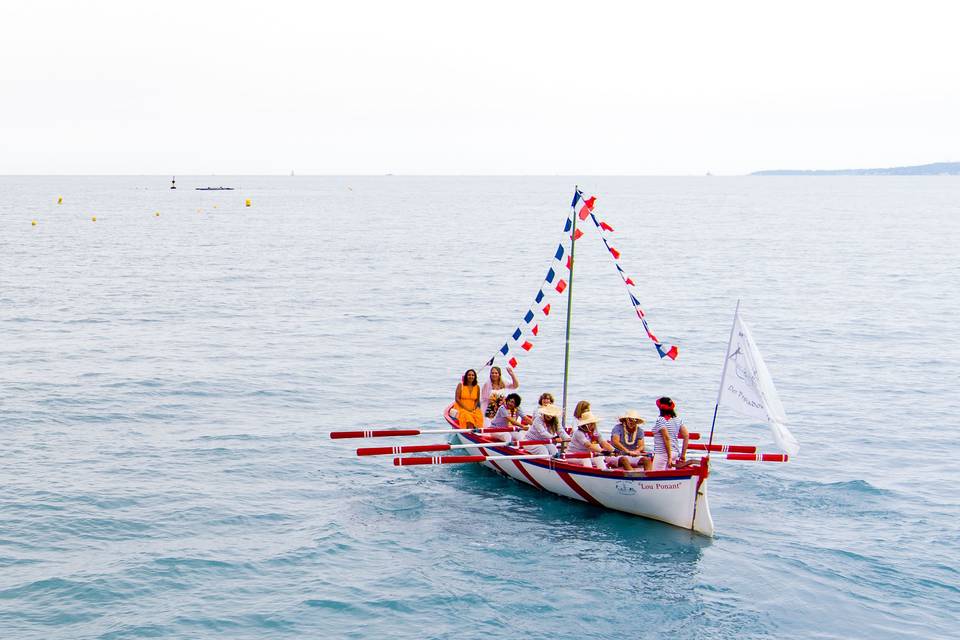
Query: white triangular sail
748,389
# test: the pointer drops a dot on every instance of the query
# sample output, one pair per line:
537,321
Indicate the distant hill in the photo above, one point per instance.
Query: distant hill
935,169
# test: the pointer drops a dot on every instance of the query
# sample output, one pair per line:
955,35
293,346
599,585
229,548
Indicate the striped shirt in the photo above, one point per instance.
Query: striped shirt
673,426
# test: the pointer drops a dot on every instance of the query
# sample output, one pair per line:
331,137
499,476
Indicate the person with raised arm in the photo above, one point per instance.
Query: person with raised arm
467,402
668,431
627,439
496,388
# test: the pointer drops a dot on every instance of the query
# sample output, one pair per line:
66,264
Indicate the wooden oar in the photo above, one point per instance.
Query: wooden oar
748,457
388,433
759,457
404,462
421,448
724,448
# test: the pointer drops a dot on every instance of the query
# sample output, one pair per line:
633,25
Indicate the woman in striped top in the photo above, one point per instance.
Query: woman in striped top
667,432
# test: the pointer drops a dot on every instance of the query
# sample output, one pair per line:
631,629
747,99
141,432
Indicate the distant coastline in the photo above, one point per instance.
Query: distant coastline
934,169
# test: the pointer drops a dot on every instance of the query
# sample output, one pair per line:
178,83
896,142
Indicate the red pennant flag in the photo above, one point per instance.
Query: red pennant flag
535,330
605,226
630,281
527,345
672,354
561,286
588,203
569,262
546,310
513,362
615,253
577,234
584,212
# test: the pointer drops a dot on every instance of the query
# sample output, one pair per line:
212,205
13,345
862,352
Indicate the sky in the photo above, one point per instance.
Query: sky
412,87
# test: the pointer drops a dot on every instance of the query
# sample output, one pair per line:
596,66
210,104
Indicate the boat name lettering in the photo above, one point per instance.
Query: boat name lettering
662,485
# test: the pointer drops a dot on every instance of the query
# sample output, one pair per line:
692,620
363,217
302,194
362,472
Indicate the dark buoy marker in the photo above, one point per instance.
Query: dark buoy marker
173,183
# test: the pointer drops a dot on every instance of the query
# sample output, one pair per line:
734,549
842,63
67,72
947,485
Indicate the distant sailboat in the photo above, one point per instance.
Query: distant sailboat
173,183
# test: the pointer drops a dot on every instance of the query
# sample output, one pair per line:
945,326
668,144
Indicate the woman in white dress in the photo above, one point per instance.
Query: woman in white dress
497,388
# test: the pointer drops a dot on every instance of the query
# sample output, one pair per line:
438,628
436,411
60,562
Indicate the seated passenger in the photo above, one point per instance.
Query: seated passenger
467,402
627,439
509,415
587,439
667,433
546,427
545,399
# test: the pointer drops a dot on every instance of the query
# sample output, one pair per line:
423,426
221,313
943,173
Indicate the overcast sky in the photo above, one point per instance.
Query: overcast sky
476,88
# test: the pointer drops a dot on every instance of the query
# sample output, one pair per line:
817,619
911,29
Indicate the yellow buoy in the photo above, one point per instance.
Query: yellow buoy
33,223
93,219
216,206
156,214
60,200
248,202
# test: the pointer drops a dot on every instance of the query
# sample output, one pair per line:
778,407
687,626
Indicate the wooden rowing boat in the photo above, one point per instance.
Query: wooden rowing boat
675,496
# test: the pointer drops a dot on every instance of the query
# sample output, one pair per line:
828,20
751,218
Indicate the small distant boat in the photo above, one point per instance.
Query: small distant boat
214,188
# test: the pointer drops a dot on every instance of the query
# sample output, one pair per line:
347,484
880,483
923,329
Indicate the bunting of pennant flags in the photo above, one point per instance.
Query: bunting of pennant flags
670,351
555,282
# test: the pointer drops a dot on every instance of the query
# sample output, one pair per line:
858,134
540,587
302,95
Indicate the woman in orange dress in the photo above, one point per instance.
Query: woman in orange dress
467,402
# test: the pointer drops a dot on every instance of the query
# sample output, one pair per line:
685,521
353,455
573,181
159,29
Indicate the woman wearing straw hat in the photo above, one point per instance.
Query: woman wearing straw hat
627,439
587,439
547,427
667,433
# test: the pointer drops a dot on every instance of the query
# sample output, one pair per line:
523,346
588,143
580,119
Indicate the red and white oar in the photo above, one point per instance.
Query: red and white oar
389,433
724,448
759,457
421,448
405,462
751,457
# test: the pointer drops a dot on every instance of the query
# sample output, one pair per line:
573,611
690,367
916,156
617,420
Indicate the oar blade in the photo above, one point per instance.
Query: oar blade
759,457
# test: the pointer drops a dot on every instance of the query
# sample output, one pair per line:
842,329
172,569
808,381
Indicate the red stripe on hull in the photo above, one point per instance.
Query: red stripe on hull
526,474
580,490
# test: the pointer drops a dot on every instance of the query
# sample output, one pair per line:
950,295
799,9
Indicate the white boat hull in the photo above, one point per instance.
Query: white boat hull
677,497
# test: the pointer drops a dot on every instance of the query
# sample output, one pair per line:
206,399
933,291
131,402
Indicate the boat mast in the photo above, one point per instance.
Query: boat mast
723,375
566,349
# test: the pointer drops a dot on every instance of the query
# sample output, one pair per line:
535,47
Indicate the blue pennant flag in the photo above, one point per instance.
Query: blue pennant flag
568,226
619,268
527,318
551,274
517,334
559,253
635,302
540,296
504,349
490,362
576,198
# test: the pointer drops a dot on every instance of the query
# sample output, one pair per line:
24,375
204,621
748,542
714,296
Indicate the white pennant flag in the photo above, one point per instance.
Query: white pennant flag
748,389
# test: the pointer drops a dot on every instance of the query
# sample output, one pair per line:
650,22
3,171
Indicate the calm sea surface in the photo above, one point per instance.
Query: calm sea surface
167,384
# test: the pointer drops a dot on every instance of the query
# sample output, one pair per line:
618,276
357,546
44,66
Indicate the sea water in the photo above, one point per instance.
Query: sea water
168,383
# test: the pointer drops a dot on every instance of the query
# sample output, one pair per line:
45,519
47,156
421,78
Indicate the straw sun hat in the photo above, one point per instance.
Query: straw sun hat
632,413
551,410
587,418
